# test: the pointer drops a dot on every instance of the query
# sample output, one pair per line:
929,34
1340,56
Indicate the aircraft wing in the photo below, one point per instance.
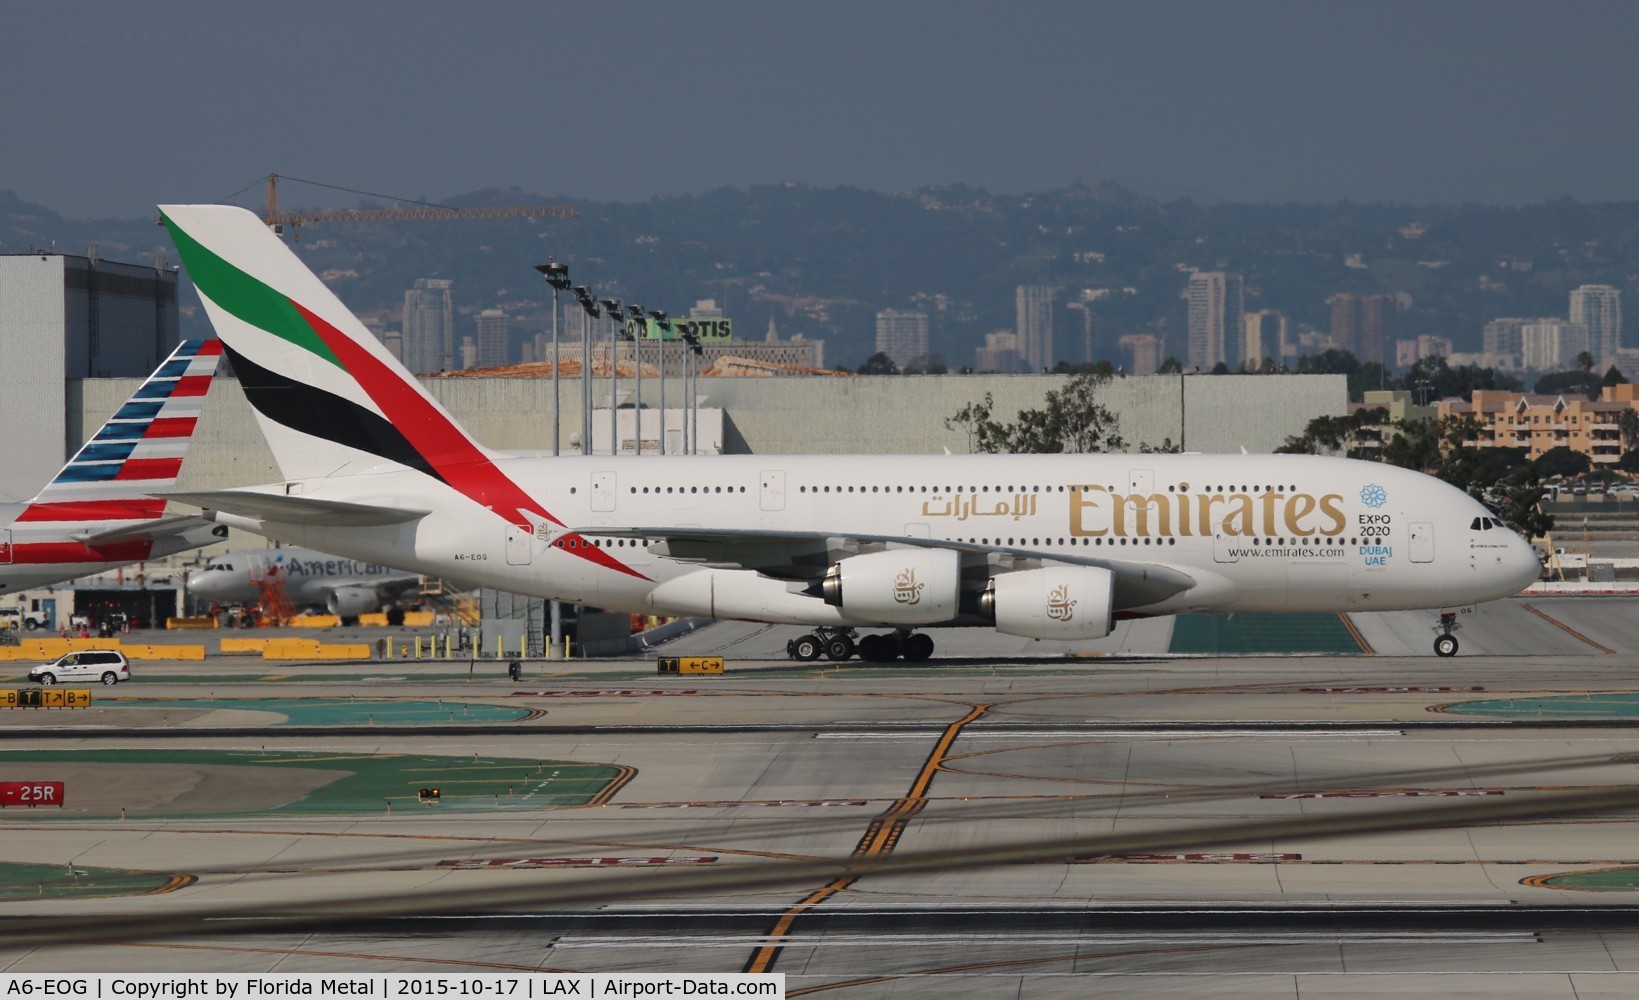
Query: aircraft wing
175,524
806,555
298,509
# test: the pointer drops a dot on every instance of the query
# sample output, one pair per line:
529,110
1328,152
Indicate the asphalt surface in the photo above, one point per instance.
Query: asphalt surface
1373,822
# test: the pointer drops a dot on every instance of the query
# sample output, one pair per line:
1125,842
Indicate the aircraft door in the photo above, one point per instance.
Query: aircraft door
1420,541
520,544
773,489
1224,545
5,547
603,491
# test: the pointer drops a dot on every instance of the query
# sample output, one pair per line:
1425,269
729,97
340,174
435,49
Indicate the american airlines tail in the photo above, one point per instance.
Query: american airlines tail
100,511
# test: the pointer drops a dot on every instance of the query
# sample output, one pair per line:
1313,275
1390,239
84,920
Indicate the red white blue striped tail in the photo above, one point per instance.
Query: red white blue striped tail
138,452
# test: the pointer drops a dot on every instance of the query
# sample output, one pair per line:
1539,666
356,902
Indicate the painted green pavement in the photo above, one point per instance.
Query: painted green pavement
20,881
1597,880
361,783
1249,633
1605,705
348,711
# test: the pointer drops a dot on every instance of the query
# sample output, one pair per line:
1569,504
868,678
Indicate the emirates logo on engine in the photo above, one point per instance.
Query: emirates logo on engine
1059,606
905,588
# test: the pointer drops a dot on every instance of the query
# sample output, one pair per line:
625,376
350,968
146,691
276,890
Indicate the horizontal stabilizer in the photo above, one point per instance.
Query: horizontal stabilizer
176,524
297,509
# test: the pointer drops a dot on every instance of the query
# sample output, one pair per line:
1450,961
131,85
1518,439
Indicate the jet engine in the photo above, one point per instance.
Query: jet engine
898,587
1055,602
350,602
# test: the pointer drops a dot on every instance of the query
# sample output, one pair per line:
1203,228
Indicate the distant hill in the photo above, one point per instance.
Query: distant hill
822,261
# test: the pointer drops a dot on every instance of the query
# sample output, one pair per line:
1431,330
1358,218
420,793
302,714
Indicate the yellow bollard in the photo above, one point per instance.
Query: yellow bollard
500,648
447,647
418,647
566,653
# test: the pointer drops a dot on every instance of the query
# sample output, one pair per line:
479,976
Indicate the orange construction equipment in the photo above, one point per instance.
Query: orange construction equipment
273,605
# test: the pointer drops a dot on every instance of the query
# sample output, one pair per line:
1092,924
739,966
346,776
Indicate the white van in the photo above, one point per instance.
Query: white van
106,665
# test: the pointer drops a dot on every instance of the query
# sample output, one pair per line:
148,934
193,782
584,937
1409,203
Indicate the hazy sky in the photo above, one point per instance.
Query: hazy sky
111,108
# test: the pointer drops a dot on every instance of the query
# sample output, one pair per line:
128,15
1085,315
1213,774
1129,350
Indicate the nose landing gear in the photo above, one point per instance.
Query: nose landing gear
1445,644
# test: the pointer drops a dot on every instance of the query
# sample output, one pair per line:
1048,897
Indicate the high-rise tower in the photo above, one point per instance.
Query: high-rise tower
1033,309
1599,308
429,326
1216,304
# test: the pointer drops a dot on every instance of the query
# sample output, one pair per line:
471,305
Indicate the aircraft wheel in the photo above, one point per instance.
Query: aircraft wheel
875,648
395,617
917,647
839,648
805,648
1445,645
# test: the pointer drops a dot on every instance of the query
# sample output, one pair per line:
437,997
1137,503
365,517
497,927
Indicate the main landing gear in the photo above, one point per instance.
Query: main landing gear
1445,644
838,644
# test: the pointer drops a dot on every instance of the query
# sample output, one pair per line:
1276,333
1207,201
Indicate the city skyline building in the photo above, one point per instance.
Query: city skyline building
902,335
1552,344
1599,308
1033,325
429,326
1143,352
1504,337
1263,336
1216,308
1365,325
494,343
1000,354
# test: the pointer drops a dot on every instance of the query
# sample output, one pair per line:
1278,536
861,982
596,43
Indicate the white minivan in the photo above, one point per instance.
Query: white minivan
106,665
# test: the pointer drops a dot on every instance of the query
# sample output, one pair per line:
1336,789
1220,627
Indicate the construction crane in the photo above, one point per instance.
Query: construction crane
279,219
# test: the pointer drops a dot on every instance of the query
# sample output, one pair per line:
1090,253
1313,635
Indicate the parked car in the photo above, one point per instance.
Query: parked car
106,665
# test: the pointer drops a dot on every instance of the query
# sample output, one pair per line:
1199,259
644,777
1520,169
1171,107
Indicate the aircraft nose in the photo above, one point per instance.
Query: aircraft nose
199,583
1521,567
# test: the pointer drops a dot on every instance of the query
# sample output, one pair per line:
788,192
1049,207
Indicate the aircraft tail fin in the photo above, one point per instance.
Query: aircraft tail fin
331,400
138,452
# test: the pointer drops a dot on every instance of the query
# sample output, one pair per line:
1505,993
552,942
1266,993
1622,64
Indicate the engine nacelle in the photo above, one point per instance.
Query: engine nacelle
350,602
896,587
1055,602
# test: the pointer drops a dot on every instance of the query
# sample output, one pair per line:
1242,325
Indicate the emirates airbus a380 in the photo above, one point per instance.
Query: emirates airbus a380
1042,546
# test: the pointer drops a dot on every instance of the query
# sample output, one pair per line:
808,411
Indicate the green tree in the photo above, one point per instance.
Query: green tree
879,364
1171,366
1347,435
1562,461
1574,382
1584,361
1627,424
1613,376
1070,421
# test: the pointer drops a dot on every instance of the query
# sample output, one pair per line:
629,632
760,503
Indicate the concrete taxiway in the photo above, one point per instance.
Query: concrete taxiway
1306,824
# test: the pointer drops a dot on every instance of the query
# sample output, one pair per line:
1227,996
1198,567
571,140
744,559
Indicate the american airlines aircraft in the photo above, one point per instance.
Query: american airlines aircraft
1050,547
346,587
99,512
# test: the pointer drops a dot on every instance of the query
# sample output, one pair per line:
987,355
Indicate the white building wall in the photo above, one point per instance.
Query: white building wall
861,415
33,399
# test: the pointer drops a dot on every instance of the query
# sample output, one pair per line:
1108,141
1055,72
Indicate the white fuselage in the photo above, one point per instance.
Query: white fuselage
1257,533
307,576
